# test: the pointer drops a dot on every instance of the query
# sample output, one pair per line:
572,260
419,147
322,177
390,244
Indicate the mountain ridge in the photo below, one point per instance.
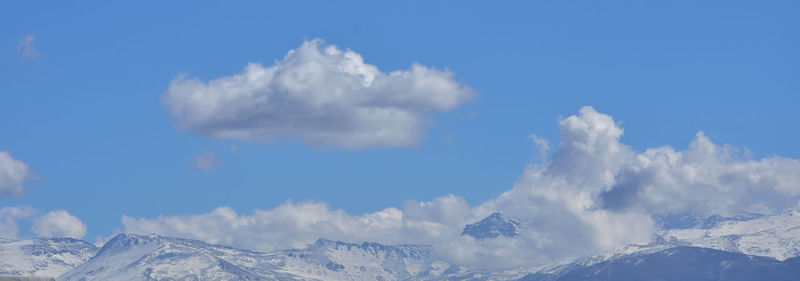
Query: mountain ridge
774,238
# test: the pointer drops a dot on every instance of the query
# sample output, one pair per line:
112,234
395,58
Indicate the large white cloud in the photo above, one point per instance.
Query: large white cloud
705,179
13,173
593,194
558,200
59,223
319,94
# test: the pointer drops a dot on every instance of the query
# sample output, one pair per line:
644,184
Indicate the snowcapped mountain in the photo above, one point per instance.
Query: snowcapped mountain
679,264
333,260
153,257
49,257
734,248
776,236
684,221
493,226
133,257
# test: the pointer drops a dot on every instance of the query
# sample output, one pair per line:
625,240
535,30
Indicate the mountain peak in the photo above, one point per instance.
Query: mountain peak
493,226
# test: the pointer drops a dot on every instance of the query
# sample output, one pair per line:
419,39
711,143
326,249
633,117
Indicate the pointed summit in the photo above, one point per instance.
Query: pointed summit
493,226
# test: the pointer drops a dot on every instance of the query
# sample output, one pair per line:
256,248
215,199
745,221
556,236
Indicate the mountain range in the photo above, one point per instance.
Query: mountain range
736,248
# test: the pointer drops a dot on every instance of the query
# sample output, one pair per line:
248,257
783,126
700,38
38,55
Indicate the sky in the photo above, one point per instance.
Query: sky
413,117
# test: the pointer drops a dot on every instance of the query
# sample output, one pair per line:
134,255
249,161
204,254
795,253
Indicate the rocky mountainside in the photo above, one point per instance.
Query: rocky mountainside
493,226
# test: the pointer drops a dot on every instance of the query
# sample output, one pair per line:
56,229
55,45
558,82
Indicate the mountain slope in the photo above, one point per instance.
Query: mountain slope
682,263
333,260
776,236
43,256
136,257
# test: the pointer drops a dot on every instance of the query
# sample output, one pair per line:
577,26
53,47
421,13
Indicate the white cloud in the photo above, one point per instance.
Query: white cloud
59,223
9,217
297,224
13,173
594,193
319,94
559,200
205,162
25,47
704,179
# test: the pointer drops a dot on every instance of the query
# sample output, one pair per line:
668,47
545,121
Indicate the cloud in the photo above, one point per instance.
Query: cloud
25,48
8,220
13,173
559,200
705,179
205,162
303,223
594,193
318,94
542,145
59,223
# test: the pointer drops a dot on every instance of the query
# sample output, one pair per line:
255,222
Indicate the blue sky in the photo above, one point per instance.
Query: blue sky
86,114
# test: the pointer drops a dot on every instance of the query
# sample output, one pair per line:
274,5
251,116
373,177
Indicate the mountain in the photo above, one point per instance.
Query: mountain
334,260
493,226
735,248
776,236
684,221
153,257
681,263
48,257
136,257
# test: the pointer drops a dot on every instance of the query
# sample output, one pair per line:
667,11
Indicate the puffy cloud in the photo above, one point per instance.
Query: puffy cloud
205,162
593,194
59,223
558,200
13,173
705,179
25,48
319,94
9,217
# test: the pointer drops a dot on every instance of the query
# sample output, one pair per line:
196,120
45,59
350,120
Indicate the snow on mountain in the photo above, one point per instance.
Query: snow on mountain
678,264
776,236
684,221
493,226
772,237
334,260
153,257
48,257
